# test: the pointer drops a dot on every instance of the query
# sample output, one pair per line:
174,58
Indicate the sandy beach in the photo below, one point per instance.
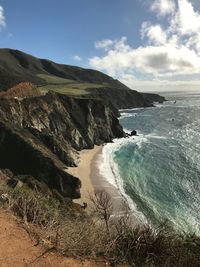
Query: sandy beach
92,181
84,172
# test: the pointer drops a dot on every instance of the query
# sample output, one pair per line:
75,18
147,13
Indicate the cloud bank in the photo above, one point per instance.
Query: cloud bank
171,51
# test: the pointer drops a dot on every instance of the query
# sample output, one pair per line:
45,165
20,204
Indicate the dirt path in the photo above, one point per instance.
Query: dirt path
17,249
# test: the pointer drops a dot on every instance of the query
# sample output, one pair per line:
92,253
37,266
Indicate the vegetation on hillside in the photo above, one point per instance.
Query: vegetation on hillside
66,86
21,90
16,66
69,230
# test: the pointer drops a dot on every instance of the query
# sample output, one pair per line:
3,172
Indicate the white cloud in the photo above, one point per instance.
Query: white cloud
128,79
185,25
115,60
2,18
171,51
163,7
155,60
105,44
154,33
77,58
188,21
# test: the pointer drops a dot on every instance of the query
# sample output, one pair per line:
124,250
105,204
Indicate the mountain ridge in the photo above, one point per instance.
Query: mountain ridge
23,62
17,66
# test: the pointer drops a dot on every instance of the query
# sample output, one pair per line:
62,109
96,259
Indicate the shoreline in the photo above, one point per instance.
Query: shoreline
93,181
83,172
100,183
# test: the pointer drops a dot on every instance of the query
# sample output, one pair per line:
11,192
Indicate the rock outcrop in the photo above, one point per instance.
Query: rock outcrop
151,98
127,98
40,136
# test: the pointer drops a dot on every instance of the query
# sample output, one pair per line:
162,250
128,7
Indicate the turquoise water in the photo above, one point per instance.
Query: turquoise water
160,168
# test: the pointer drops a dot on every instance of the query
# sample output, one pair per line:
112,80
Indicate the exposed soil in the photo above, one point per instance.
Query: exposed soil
18,249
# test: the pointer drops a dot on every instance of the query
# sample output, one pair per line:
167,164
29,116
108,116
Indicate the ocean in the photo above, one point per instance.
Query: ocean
158,171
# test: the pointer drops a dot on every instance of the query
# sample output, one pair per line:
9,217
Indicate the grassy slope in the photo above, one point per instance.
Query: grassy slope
66,86
16,66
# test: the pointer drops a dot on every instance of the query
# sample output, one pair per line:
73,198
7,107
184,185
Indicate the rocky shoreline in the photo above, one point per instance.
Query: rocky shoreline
42,131
40,136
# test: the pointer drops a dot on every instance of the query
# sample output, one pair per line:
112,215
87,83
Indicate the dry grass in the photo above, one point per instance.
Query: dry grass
21,90
63,89
79,235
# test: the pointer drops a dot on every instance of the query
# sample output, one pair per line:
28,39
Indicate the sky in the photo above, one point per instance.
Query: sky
143,43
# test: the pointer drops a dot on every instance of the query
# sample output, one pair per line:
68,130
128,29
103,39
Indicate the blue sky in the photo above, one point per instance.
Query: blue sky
60,29
139,42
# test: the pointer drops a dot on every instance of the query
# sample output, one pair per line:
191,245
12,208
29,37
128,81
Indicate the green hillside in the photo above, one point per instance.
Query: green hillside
16,66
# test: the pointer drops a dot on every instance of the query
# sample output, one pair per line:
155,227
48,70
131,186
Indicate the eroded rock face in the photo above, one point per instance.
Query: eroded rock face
40,136
64,124
22,153
127,98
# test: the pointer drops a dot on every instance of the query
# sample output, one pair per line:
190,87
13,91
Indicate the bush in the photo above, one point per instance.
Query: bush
33,206
76,234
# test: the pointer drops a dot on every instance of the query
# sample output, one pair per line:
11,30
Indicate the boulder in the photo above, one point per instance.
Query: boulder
134,132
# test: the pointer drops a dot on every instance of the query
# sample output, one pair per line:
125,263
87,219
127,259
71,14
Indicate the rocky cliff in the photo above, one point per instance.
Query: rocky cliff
40,136
124,99
41,131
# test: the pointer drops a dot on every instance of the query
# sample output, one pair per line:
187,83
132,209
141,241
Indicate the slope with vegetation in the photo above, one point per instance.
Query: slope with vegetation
49,112
21,90
69,231
16,66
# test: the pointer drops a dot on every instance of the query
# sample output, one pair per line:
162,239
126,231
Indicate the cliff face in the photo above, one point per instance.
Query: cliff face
41,135
124,99
24,155
153,98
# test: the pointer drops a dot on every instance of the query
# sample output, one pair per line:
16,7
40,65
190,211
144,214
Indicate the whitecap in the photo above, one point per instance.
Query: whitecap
152,135
127,115
130,109
109,170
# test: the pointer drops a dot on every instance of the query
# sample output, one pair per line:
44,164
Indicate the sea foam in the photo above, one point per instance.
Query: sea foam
109,170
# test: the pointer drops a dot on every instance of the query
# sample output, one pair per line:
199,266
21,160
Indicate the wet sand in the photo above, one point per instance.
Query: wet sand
92,181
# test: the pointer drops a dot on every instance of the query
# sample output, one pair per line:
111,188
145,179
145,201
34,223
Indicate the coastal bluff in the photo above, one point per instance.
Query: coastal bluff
49,112
41,136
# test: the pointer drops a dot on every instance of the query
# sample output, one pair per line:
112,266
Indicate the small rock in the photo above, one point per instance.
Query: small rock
134,132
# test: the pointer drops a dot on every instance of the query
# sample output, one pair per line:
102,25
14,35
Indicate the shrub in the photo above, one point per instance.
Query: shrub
76,234
33,206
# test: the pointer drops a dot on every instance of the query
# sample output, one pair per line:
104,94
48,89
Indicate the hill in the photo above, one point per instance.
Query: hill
16,67
25,67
